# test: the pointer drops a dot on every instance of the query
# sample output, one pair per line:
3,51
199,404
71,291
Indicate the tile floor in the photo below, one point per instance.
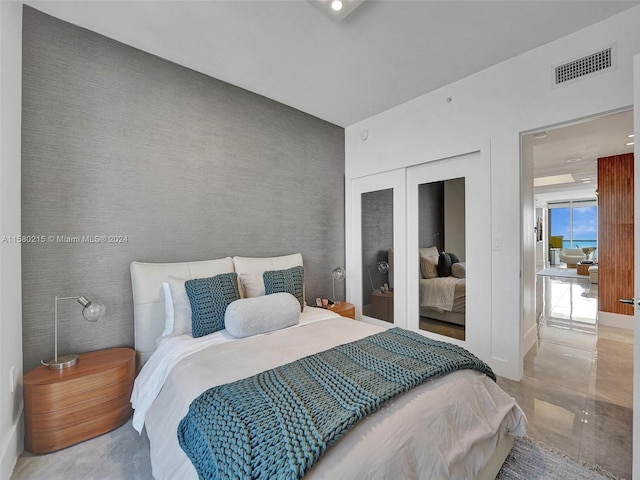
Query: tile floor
578,378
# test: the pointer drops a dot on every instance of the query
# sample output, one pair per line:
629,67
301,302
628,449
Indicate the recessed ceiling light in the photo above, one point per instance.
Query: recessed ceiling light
336,10
628,144
586,178
586,181
631,136
573,160
553,180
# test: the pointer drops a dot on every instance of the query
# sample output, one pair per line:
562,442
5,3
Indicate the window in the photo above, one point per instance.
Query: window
576,222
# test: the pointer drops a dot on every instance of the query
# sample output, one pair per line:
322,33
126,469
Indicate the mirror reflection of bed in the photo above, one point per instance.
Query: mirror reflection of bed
442,282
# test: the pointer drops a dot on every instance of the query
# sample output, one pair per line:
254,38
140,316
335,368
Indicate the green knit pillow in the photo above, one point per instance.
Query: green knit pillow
209,298
290,281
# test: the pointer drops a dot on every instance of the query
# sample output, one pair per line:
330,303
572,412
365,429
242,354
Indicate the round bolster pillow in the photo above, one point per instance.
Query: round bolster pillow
251,316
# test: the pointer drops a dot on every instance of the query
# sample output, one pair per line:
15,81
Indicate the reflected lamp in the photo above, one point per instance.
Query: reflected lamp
92,312
382,267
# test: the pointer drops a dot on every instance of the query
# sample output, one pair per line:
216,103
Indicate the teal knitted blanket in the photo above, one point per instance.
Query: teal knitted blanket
278,423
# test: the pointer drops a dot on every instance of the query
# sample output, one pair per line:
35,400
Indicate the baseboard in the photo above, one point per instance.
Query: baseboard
12,449
616,320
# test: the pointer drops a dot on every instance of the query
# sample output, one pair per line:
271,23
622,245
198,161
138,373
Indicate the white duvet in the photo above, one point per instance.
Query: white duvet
438,292
446,428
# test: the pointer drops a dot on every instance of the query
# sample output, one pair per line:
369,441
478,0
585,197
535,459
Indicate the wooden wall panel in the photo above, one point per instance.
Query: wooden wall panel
615,233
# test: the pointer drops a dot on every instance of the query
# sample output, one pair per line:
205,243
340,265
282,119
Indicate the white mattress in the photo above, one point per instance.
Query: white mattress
446,428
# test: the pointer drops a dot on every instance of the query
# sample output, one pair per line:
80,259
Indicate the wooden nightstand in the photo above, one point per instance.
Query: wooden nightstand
65,407
382,306
345,309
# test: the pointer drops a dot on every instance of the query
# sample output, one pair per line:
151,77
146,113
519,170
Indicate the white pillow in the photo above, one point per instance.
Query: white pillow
252,284
168,310
251,316
459,270
181,306
429,266
429,251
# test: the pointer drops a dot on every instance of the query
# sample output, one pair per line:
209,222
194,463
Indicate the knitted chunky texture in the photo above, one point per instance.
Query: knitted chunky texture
278,423
209,299
290,281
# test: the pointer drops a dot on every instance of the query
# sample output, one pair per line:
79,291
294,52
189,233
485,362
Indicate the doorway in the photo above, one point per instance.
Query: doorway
578,373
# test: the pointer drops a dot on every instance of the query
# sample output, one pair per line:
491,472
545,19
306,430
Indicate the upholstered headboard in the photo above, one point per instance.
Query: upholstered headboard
148,296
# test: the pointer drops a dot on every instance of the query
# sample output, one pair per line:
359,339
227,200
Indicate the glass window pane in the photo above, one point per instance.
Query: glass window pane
585,226
559,221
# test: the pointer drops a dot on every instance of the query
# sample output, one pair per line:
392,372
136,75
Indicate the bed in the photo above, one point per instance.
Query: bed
444,298
442,295
461,425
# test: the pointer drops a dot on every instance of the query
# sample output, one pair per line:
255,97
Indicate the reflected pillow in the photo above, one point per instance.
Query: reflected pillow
209,299
251,316
290,281
445,261
459,270
429,266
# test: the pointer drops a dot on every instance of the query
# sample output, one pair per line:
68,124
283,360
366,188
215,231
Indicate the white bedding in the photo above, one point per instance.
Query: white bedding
446,428
173,348
438,292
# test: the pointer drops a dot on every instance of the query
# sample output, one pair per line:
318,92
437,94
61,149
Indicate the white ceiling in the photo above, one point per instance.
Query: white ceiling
587,141
384,53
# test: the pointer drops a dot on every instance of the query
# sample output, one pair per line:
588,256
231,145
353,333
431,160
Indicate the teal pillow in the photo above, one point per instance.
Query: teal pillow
209,298
290,281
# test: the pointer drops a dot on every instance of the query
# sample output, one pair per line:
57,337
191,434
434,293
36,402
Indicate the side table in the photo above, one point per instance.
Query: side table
65,407
345,309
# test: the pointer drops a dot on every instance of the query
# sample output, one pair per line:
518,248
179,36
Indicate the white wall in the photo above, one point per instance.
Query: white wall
492,108
11,432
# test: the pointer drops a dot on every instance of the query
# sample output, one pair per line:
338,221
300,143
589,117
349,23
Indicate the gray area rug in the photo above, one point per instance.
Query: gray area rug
123,454
560,272
531,460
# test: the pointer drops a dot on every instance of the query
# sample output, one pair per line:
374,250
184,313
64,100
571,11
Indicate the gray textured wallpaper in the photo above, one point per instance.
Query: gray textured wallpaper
167,164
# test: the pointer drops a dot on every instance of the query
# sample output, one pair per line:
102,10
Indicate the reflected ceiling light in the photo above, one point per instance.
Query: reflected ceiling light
336,5
553,180
586,181
628,144
573,160
631,136
540,135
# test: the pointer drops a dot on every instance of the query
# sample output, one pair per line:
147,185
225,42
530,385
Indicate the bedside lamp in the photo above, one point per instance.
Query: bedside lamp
339,274
92,312
383,267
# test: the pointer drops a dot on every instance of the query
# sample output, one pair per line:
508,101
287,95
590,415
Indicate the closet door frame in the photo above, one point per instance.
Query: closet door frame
394,179
474,167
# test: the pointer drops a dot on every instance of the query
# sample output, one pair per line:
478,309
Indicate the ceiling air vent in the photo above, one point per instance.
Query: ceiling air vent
587,66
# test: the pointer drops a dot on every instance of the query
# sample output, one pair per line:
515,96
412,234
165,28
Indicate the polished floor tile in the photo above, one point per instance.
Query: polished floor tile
578,378
560,365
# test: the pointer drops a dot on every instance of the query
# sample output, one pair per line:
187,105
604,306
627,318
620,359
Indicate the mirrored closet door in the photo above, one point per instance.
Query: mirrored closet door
449,249
378,237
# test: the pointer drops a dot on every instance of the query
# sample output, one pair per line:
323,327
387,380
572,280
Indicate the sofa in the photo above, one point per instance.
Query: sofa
571,256
593,273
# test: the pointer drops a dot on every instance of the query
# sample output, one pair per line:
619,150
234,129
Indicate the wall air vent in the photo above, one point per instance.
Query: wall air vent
587,66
